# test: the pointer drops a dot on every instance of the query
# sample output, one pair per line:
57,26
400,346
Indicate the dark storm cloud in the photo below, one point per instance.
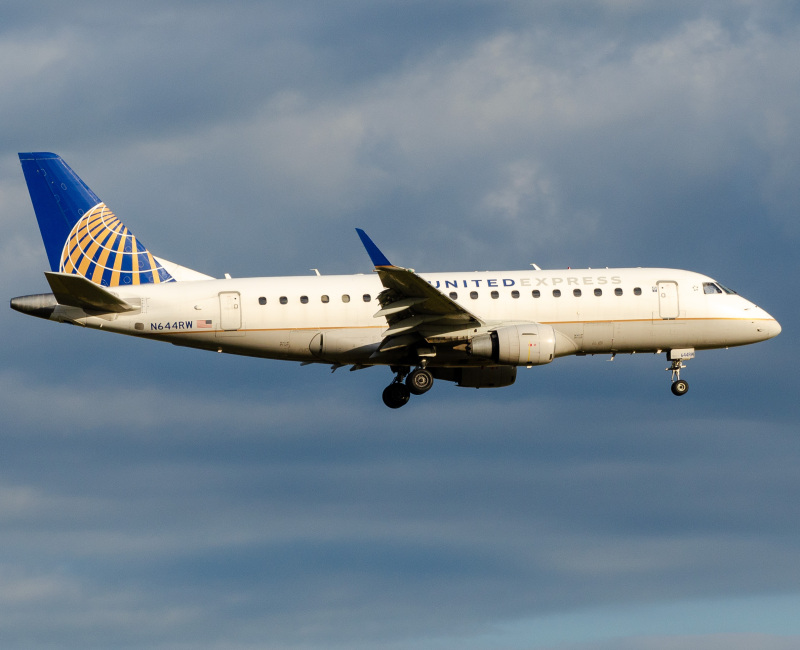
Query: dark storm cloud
235,513
494,125
159,497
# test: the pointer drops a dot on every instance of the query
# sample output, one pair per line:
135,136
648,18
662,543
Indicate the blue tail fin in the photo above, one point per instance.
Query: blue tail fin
81,235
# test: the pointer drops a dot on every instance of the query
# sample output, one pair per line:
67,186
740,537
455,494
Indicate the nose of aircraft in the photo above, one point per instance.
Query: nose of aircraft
768,327
773,328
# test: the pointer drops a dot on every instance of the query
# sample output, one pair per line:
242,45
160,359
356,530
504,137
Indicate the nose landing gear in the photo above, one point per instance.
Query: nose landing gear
679,387
676,357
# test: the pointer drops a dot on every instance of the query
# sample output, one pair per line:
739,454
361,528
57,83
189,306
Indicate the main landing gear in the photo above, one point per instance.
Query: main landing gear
676,357
405,384
396,395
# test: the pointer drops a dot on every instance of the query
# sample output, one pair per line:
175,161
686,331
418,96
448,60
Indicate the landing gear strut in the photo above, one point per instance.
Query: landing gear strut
679,386
406,383
397,393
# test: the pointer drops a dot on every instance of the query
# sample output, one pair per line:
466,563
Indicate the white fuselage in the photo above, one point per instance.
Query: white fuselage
474,329
331,318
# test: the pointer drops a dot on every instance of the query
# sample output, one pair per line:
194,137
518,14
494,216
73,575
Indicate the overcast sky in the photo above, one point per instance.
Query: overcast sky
152,496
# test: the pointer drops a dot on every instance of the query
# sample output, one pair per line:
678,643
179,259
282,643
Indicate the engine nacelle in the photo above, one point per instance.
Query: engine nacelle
531,344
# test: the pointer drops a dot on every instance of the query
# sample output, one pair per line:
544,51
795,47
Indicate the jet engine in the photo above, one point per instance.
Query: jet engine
529,344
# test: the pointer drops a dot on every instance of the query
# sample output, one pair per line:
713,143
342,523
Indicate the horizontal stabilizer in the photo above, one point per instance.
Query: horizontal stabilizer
76,291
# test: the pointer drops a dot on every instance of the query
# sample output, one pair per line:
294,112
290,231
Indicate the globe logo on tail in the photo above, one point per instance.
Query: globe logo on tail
103,250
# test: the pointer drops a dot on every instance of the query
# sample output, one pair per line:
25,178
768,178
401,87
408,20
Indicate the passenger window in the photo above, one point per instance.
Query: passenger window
473,295
367,297
515,294
536,293
637,291
617,291
453,295
576,293
262,300
495,295
556,293
284,300
345,298
598,292
325,298
304,300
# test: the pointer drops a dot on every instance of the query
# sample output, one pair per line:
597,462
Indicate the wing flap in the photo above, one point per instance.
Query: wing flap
411,323
405,285
398,306
392,343
411,305
77,291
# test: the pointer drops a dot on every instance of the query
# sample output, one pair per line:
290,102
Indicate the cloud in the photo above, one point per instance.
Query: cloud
233,501
155,496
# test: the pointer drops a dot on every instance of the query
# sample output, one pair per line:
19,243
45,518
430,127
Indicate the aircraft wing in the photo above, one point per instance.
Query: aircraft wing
409,303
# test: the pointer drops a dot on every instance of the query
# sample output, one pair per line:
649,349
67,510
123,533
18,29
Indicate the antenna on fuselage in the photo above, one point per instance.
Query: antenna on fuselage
535,266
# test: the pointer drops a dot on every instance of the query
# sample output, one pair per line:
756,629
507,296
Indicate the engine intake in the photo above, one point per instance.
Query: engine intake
531,344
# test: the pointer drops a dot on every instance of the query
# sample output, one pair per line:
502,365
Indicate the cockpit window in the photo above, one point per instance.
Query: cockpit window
730,292
711,287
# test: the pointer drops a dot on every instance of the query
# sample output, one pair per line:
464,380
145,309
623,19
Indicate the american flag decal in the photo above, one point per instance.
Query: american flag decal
204,323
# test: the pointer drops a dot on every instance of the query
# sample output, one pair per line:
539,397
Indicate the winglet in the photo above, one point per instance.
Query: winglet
378,258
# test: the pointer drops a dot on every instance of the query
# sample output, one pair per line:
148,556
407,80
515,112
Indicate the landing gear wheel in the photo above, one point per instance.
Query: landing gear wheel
419,381
396,395
680,387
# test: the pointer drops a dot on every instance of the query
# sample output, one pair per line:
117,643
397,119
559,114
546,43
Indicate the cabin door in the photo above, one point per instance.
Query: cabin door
668,300
230,311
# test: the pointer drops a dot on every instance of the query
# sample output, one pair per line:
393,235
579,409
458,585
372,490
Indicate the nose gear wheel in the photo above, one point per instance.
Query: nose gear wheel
679,386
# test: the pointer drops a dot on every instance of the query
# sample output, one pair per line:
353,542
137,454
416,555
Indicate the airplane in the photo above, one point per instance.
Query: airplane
472,328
